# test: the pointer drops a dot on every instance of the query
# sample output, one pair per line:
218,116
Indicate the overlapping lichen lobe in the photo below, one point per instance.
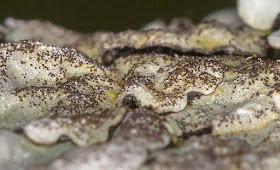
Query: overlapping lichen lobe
169,79
141,130
257,78
193,41
252,69
248,86
83,128
76,81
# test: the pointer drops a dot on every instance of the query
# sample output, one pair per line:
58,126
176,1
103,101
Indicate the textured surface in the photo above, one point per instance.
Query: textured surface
36,79
141,131
245,100
201,97
163,82
83,129
205,38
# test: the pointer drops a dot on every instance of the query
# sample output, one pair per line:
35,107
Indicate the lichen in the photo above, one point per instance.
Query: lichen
163,82
82,129
197,96
36,78
242,102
